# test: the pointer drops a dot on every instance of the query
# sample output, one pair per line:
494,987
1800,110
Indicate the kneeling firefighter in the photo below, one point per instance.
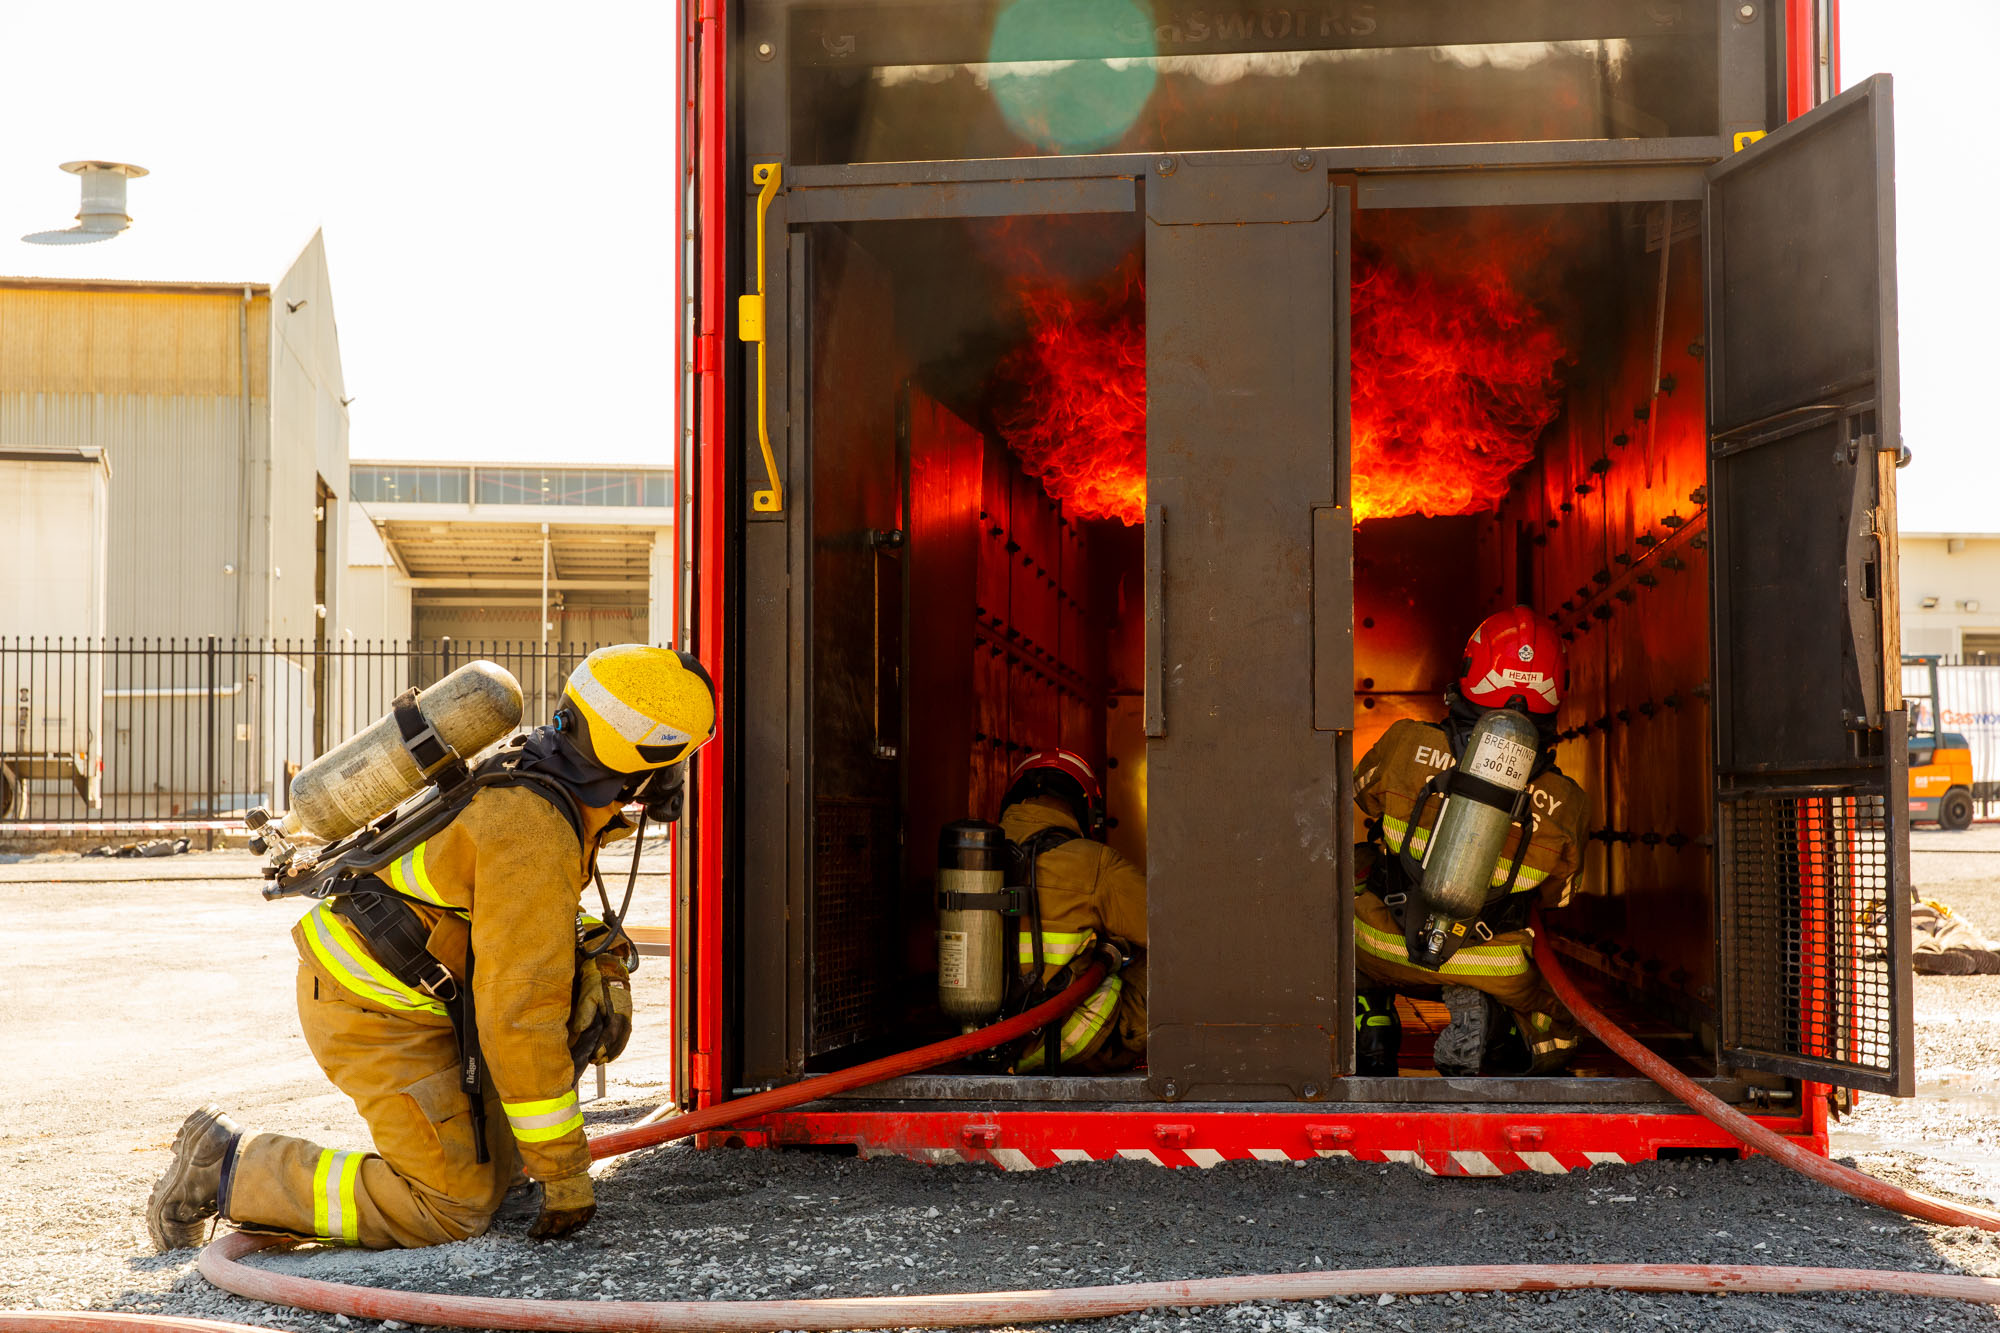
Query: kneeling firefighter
1470,823
458,994
1083,894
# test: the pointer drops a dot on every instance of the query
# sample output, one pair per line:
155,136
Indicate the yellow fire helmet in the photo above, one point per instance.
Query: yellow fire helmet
642,707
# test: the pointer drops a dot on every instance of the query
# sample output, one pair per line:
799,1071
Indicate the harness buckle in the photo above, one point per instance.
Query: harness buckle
1484,931
1395,899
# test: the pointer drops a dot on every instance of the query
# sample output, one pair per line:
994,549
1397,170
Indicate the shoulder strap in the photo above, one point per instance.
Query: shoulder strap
503,770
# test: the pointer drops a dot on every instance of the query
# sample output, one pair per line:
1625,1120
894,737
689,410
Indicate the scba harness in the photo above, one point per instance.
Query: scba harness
1398,877
1028,947
349,877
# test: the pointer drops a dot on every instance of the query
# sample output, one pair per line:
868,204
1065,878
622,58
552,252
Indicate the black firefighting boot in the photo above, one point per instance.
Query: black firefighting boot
1475,1022
185,1197
1378,1034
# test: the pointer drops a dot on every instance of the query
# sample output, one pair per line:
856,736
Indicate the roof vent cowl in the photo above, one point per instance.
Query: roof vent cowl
103,212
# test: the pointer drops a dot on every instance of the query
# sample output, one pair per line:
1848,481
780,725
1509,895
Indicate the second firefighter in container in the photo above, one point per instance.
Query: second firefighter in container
1477,954
1084,894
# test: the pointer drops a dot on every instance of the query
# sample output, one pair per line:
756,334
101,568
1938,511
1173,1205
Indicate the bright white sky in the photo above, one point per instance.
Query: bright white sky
495,182
496,187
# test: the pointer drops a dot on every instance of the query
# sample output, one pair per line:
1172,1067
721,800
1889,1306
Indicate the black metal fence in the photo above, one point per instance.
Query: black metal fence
183,733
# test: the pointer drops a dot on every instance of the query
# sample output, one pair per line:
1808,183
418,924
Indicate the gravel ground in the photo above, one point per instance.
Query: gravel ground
123,1006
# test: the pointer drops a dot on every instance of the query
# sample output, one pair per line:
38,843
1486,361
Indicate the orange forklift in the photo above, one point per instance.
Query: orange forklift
1940,761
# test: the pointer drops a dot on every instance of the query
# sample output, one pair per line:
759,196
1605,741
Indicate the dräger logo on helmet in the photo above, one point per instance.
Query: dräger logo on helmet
664,735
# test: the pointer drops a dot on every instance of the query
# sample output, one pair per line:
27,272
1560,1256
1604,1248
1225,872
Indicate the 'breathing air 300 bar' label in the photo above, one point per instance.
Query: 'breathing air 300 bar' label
1499,760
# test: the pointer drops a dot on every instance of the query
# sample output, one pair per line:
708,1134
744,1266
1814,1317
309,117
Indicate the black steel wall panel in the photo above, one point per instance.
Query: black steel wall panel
1246,824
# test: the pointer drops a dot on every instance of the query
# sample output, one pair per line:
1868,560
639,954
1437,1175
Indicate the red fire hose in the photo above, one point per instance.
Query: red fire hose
1845,1179
723,1114
220,1264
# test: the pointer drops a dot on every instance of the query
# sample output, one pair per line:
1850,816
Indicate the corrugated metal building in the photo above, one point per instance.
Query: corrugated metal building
206,367
219,407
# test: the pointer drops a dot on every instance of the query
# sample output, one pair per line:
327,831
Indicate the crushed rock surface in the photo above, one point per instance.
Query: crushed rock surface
118,1016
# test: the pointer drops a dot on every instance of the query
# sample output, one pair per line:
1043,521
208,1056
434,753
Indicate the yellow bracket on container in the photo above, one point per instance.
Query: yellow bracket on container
750,323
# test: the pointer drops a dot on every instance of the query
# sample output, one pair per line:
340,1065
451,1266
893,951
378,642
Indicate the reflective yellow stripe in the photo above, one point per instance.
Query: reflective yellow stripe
350,964
319,1191
408,876
334,1214
1083,1025
1058,946
1474,960
538,1122
1529,877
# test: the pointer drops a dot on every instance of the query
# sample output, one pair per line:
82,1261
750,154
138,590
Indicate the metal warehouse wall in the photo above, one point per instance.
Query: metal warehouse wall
308,442
212,530
155,378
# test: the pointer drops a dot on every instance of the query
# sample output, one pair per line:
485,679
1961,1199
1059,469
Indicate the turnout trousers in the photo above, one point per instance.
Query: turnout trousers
421,1185
1503,967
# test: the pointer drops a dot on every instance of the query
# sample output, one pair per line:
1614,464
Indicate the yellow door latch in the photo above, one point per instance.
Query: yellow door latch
1745,138
750,327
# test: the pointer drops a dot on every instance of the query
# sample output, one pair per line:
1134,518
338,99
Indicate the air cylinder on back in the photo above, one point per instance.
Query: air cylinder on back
1465,847
972,932
372,773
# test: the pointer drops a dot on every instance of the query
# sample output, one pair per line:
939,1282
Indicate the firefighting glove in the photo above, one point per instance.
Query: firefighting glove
566,1205
600,1017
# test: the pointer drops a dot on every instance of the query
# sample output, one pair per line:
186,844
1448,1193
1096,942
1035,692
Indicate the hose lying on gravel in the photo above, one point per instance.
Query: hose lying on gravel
97,1321
993,1308
220,1261
1843,1178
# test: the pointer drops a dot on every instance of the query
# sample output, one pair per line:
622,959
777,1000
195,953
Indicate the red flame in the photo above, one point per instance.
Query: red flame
1077,417
1454,380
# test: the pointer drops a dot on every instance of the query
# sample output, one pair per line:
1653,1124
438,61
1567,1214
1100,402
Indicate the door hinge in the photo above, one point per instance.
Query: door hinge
707,353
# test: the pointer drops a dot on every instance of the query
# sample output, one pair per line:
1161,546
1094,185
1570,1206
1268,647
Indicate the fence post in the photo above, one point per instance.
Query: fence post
208,739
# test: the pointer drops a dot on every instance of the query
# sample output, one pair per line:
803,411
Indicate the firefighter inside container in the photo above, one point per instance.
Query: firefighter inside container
548,994
1470,824
1085,894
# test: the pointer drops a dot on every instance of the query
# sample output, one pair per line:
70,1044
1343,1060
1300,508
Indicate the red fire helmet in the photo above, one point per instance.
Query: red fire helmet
1514,652
1064,774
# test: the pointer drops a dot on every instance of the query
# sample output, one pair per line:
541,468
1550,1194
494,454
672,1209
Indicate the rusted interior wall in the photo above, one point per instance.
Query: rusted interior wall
1613,517
1038,656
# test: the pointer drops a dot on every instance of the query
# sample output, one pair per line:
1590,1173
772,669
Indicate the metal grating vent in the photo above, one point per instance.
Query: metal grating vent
854,882
1810,907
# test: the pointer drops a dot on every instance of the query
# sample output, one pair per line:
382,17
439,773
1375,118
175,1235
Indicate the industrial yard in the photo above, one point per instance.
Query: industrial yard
188,995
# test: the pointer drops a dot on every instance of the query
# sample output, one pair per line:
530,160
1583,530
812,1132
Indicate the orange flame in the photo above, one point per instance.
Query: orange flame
1077,418
1454,380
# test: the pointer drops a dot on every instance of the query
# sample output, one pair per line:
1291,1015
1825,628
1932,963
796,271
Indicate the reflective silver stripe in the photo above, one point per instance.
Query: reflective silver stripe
631,724
334,1214
408,876
539,1122
1082,1027
354,968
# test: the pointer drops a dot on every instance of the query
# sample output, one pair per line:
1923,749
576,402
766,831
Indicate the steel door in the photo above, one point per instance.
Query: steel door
1812,850
1249,701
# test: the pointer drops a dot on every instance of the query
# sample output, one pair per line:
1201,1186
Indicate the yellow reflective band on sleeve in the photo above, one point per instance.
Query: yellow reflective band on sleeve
1474,960
334,1214
1058,946
350,964
538,1122
408,876
1083,1026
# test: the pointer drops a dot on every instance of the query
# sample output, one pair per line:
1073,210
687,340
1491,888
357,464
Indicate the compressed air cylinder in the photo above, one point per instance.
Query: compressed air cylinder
972,977
371,774
1465,846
